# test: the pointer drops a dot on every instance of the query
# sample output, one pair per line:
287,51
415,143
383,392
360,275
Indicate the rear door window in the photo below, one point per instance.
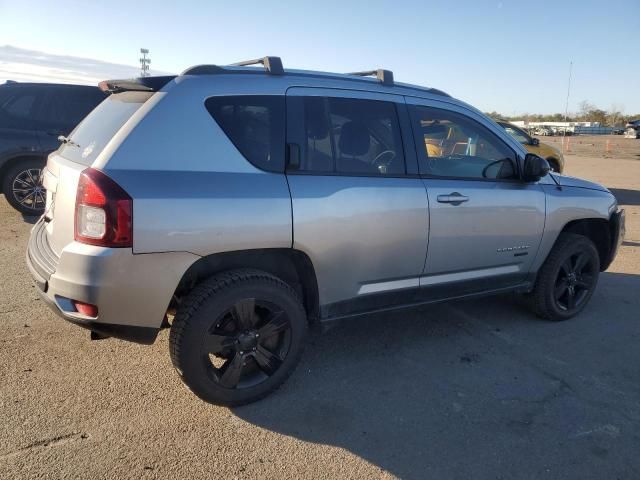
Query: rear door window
255,124
351,136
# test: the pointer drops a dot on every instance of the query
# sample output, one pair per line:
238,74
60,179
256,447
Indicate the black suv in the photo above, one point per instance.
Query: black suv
32,116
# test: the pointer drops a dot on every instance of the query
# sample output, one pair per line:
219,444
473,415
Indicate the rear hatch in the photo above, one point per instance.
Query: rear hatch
85,144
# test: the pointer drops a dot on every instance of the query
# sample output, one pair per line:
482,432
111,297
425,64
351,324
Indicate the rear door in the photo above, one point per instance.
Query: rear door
359,209
486,224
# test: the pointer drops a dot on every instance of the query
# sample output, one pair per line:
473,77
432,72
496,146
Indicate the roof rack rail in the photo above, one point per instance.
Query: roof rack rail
272,65
384,76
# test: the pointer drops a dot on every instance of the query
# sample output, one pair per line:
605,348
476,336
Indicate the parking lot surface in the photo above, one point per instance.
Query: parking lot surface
474,389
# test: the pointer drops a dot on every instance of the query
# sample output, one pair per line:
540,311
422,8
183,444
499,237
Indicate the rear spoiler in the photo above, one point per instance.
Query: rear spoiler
142,84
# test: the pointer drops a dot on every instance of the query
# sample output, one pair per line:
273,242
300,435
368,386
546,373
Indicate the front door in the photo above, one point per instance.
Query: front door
485,223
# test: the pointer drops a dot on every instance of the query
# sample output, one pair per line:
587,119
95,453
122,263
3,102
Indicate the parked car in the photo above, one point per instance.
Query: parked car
617,131
632,133
533,145
32,116
256,203
543,131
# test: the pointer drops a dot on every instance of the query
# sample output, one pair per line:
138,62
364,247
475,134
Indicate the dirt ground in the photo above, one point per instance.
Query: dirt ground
603,146
476,389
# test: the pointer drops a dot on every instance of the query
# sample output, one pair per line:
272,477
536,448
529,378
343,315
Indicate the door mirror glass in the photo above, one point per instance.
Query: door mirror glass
535,168
535,142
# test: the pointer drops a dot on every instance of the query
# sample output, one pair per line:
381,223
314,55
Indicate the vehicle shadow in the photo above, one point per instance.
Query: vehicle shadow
32,219
442,391
626,196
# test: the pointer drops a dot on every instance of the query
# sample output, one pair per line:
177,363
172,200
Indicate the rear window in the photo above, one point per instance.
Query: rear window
256,126
95,131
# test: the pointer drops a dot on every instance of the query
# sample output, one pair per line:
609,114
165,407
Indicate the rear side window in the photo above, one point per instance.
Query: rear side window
17,107
351,136
256,126
65,107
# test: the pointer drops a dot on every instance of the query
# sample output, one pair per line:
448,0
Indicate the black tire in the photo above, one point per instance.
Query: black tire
22,187
567,278
225,316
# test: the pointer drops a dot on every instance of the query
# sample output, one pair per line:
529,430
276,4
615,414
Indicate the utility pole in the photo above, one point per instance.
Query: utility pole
144,62
566,106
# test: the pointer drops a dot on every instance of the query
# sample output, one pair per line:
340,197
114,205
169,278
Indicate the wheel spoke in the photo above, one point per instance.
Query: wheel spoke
571,298
566,267
232,370
268,362
584,281
217,343
244,313
581,261
560,289
276,324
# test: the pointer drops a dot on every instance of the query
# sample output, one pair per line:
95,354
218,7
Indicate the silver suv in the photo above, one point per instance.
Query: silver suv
239,206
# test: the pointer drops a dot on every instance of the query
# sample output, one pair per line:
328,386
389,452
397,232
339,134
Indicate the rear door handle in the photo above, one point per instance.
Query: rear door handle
454,198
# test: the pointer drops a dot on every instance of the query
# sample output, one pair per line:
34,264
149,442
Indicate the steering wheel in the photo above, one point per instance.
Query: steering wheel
486,169
382,166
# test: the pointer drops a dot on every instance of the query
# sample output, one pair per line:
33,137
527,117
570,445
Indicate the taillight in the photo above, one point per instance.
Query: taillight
103,211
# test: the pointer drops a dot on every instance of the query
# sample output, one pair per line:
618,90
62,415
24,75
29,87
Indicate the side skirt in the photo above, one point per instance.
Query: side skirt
329,319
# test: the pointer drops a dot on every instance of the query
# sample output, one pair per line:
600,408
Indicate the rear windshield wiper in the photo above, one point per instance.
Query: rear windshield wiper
67,141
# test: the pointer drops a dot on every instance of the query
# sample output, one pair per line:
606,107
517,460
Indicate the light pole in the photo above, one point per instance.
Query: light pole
566,106
144,62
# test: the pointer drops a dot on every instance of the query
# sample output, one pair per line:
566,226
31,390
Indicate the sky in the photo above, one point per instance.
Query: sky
506,56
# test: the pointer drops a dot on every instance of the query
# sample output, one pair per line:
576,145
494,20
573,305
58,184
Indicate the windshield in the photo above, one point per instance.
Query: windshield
94,132
516,133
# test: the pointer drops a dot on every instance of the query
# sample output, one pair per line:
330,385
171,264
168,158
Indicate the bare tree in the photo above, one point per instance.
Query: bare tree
615,116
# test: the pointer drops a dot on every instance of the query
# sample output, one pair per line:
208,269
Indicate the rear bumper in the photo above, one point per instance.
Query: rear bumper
617,231
132,292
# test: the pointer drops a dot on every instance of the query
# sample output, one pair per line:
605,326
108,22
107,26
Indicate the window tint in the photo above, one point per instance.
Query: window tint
65,107
17,107
352,136
454,145
256,126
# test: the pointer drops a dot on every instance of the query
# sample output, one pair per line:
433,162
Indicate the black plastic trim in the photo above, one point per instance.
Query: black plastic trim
142,84
617,231
143,335
415,297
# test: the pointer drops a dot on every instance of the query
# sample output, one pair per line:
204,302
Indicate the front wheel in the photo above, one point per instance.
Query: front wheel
238,336
567,278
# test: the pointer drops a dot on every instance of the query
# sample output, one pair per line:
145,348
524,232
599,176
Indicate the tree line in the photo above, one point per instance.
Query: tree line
588,112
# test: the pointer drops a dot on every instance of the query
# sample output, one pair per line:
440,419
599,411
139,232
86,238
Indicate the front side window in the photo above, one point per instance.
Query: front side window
351,136
256,126
453,145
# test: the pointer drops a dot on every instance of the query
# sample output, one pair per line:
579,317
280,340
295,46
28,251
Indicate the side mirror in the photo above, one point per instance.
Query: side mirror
535,142
535,168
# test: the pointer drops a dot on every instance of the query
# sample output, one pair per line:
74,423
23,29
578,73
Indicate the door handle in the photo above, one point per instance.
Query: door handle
454,198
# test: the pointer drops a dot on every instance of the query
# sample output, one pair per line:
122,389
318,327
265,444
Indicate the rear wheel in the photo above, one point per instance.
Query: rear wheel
22,186
238,336
567,279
